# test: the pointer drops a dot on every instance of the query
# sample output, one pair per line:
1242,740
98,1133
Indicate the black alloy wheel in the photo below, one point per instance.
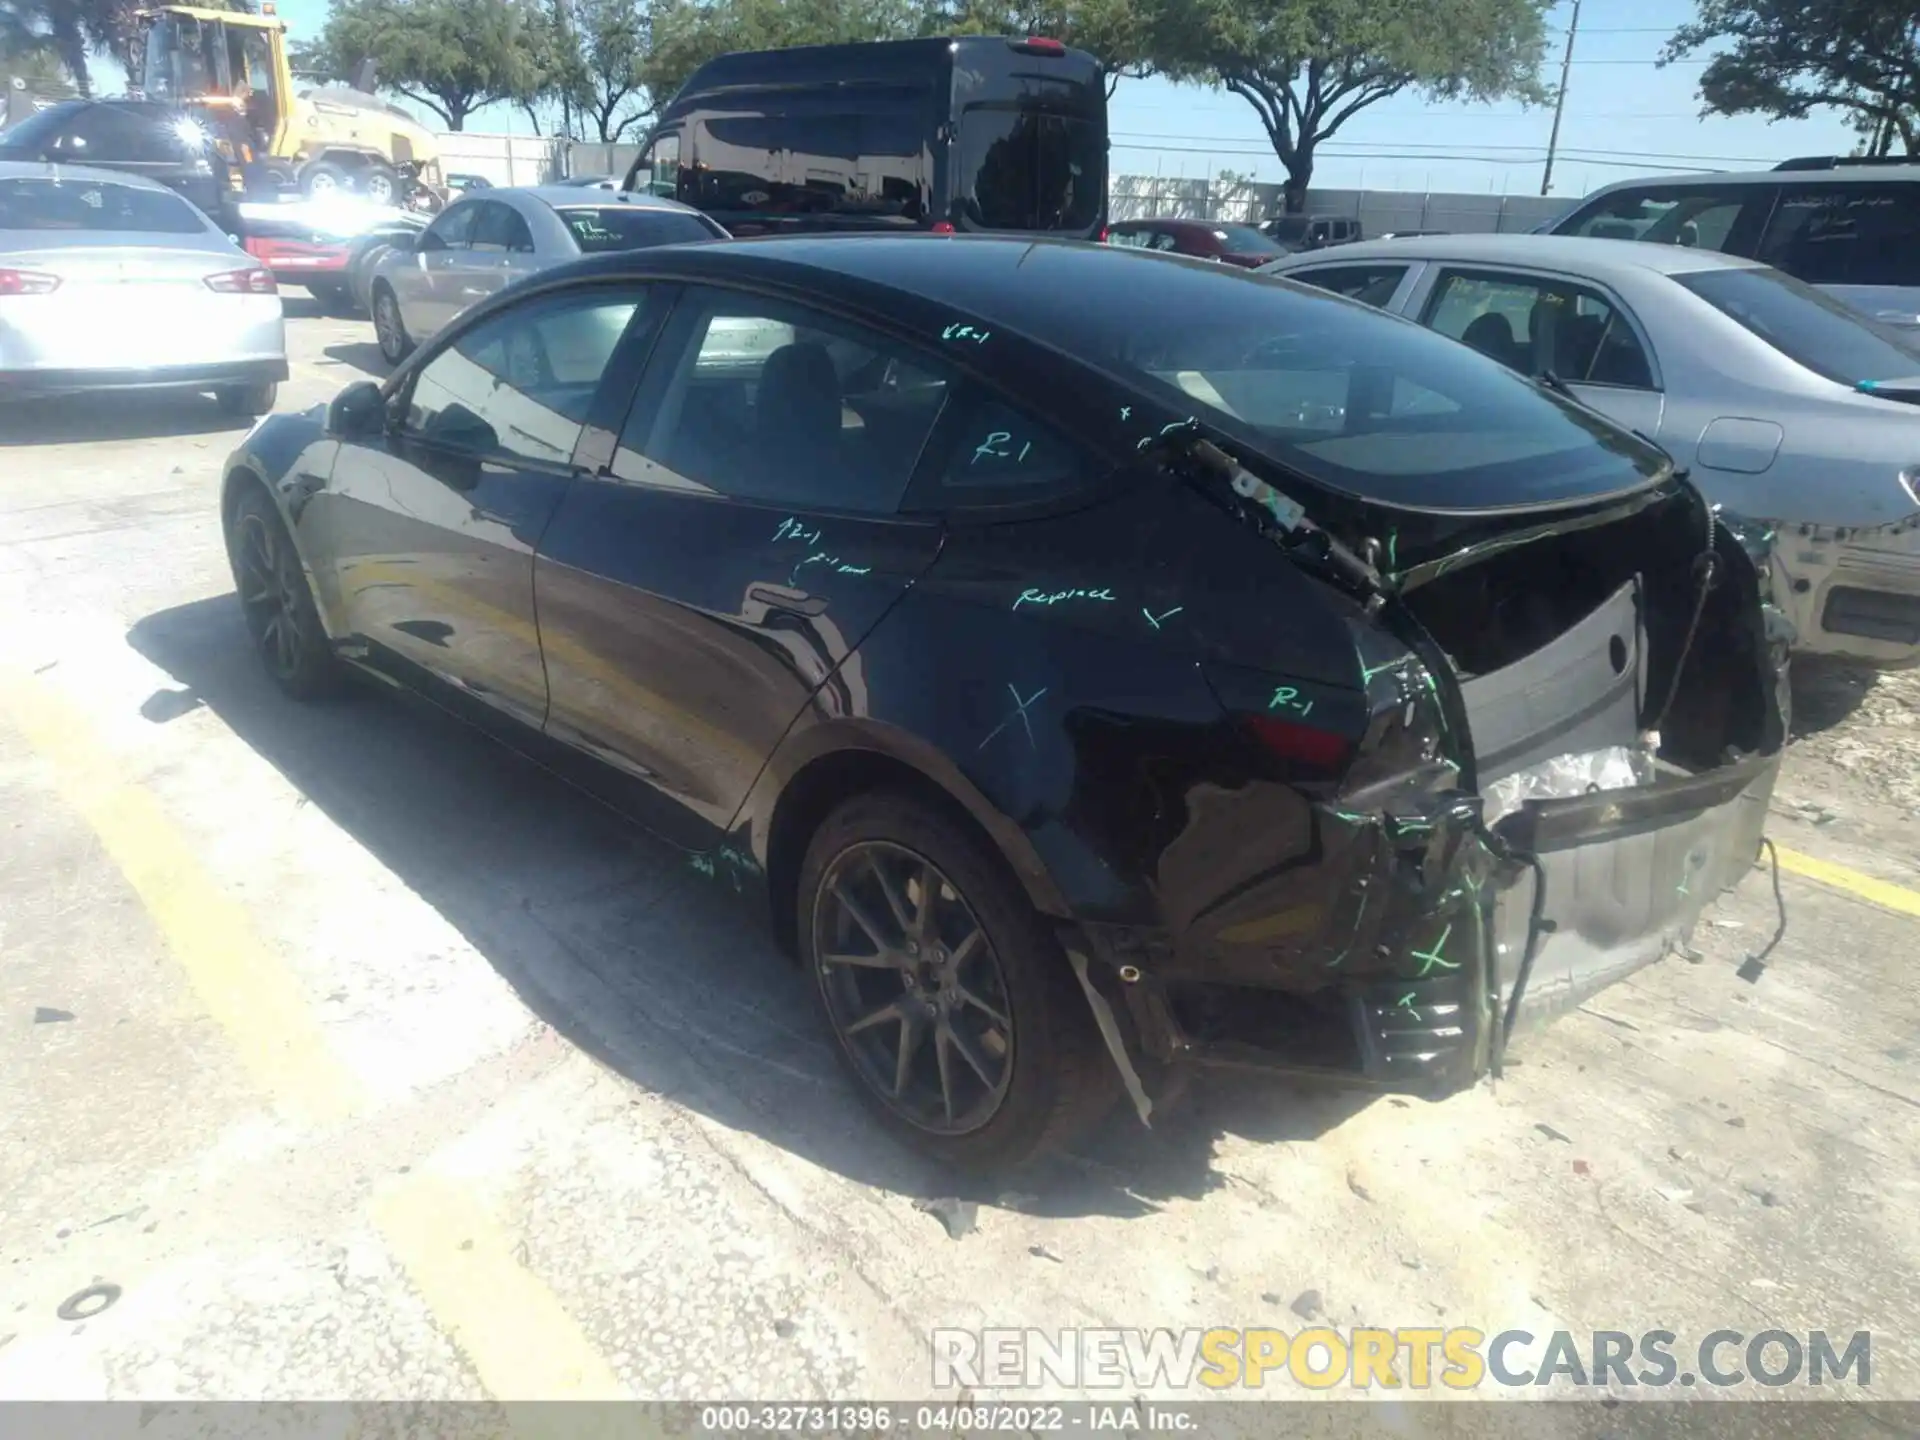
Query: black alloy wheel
913,988
279,609
951,1002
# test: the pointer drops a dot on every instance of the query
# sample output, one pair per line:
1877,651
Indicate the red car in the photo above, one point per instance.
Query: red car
1221,240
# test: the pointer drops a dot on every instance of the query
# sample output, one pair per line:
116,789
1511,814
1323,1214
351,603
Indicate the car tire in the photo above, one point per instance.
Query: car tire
282,620
324,177
248,400
379,184
1023,1064
389,326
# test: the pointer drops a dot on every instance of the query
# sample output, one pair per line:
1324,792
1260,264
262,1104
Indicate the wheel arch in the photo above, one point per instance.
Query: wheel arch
813,774
241,477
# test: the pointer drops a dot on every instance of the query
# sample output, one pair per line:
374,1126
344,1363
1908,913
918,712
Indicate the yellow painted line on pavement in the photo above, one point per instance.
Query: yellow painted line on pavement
513,1329
242,983
1886,895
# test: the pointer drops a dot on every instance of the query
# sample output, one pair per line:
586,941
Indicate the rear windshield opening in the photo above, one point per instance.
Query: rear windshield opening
1245,240
597,228
1810,328
1021,168
96,206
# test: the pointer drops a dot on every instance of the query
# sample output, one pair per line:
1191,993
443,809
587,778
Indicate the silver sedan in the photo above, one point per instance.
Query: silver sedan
109,281
1788,407
485,241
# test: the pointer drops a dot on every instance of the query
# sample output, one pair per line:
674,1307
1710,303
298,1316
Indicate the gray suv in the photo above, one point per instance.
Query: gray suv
1849,226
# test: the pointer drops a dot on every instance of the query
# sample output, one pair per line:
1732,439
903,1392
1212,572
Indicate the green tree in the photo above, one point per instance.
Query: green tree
452,56
1785,60
688,33
1307,67
607,65
1119,33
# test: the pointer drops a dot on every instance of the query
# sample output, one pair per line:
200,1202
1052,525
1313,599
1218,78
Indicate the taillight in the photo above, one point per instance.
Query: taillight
1103,234
27,282
1299,743
251,281
943,227
1039,45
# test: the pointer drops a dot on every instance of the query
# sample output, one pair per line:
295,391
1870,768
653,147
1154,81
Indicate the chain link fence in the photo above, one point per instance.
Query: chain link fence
1139,197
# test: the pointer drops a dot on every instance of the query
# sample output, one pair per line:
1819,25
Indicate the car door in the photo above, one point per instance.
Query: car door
434,522
1540,323
421,287
741,540
495,257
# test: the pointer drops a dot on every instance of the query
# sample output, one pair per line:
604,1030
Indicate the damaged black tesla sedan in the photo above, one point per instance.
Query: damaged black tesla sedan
1097,664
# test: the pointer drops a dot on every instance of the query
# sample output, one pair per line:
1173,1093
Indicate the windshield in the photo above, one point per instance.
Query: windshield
1358,401
625,227
94,206
1027,169
1808,327
182,60
41,129
1245,240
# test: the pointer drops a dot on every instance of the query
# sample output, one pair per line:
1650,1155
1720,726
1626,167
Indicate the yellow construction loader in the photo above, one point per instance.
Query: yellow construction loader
229,70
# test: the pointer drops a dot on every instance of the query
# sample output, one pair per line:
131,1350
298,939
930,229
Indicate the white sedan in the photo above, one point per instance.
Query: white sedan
109,281
1788,407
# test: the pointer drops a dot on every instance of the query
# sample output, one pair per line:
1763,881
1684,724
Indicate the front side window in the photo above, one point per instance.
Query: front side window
1846,234
1021,168
766,400
520,385
1537,325
1370,284
1815,330
453,230
98,206
1668,215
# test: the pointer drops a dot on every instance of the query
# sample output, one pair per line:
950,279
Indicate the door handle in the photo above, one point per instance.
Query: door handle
775,598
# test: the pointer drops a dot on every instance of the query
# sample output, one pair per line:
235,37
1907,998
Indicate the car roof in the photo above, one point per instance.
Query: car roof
573,196
1839,175
1000,279
1600,259
45,170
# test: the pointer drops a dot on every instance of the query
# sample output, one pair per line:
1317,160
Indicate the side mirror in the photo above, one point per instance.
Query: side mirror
357,412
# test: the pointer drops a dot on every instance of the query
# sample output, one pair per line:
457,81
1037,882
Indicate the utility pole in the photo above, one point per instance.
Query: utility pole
1560,101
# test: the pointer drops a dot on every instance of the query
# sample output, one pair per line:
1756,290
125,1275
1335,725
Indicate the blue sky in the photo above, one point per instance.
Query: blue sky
1621,110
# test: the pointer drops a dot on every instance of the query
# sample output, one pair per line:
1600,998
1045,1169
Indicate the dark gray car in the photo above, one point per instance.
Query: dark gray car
484,242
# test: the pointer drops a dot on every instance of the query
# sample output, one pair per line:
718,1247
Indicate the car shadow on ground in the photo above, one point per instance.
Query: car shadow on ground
616,942
1826,692
362,355
76,419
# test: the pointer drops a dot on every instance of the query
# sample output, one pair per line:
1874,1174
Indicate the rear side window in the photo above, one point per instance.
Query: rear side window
762,399
1245,240
501,230
796,162
597,228
1706,217
1812,329
1001,455
1370,284
1846,234
1021,168
1535,325
31,203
